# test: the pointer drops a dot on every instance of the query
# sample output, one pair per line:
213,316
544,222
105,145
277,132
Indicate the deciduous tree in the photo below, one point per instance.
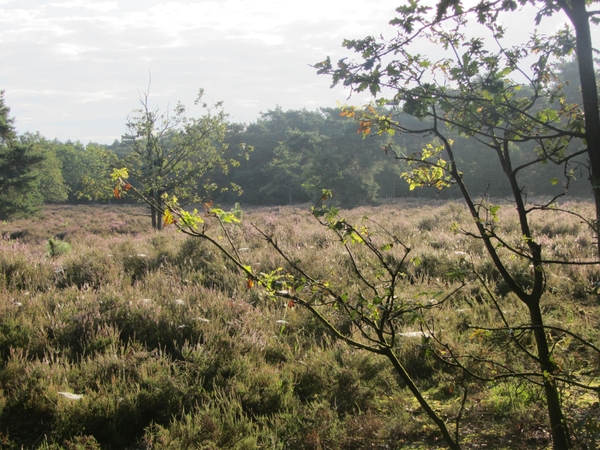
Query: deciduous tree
171,153
486,91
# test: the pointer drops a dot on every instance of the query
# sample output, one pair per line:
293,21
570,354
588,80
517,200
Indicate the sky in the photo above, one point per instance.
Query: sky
74,69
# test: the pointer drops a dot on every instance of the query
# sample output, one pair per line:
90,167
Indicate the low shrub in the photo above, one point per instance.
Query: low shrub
216,425
90,269
56,247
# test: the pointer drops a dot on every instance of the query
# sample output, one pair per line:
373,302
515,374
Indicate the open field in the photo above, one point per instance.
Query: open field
128,338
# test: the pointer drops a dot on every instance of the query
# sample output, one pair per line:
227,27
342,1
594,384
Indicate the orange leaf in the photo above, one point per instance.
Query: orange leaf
291,304
168,218
364,127
128,186
117,192
249,283
347,113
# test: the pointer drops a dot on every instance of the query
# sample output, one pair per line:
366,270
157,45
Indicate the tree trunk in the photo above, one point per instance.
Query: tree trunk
410,384
158,200
580,19
559,430
558,425
153,211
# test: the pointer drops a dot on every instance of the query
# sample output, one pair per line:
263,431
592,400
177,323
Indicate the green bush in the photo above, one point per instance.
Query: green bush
56,247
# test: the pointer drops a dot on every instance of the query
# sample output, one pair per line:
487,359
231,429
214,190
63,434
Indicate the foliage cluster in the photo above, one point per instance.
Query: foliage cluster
154,340
298,153
170,153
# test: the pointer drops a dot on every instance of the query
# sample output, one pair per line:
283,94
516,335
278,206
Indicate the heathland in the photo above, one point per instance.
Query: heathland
113,336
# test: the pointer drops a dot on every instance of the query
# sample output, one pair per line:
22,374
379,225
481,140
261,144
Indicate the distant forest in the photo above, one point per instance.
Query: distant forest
296,154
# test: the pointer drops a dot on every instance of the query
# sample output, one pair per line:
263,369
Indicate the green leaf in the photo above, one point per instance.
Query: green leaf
120,173
356,238
326,194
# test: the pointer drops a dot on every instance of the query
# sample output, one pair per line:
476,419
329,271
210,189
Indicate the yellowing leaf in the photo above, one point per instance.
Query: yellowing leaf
168,218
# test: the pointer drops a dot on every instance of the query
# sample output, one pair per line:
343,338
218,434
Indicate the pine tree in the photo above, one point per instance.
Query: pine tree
19,175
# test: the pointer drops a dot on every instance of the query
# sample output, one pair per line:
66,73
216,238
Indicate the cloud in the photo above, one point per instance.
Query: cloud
87,4
72,69
58,59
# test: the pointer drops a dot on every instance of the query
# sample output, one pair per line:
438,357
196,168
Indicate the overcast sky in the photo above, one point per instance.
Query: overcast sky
72,69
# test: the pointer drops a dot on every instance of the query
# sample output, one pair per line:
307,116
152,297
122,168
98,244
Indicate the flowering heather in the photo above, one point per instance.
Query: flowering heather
140,339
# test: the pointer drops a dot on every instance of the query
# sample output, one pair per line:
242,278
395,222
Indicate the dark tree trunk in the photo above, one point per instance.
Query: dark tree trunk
158,200
410,384
153,211
559,429
579,17
558,425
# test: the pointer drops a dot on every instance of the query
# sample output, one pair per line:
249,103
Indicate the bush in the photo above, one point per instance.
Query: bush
57,247
214,426
90,269
23,268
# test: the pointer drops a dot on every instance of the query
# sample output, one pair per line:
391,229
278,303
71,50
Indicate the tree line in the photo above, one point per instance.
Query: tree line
285,157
